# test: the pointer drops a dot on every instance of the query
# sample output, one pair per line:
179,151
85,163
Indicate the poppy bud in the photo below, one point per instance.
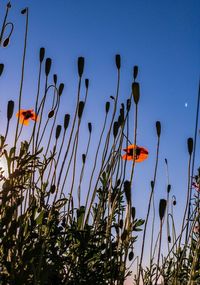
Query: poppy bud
174,202
23,11
133,210
80,109
60,89
162,208
58,130
135,72
169,239
115,129
107,107
52,189
83,157
158,128
118,182
66,121
55,79
90,127
152,184
80,66
136,92
47,66
128,105
168,188
1,68
51,114
10,109
190,145
42,53
118,61
166,161
9,5
122,110
121,223
120,121
131,255
121,118
127,190
86,83
6,42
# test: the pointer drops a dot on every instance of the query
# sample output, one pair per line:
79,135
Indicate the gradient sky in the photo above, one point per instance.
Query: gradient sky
161,37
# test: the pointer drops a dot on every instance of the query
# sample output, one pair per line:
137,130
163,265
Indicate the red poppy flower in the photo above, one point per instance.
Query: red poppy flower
134,152
26,115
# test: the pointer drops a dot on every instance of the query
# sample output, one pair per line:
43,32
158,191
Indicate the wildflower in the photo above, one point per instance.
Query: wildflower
26,115
134,152
196,186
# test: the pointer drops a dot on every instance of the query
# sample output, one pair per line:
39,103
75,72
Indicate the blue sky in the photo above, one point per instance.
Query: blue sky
161,37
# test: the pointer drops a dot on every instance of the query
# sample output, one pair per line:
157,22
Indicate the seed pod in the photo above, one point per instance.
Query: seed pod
131,255
55,79
107,107
86,83
42,53
133,211
9,5
118,61
190,145
174,202
81,62
58,130
6,42
166,161
83,157
162,208
127,190
80,109
169,239
47,66
168,188
158,128
1,68
52,189
90,127
136,92
10,109
152,184
128,105
60,89
23,11
135,72
66,121
51,114
115,129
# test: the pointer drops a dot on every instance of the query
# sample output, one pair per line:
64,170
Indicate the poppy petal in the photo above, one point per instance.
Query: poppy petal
139,155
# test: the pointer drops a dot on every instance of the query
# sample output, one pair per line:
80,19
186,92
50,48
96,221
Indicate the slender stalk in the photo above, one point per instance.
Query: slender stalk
148,211
194,155
22,76
71,134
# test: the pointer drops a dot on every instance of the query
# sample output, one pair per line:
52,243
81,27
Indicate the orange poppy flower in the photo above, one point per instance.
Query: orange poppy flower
26,115
134,152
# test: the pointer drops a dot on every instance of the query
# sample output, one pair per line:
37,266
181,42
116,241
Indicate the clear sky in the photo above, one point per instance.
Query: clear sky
161,37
